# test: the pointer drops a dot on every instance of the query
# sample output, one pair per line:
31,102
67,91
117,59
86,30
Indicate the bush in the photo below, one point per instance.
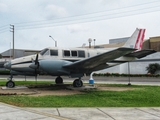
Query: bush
152,68
124,75
4,72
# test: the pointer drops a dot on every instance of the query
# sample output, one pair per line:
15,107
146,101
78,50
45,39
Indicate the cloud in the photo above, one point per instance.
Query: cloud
55,11
3,7
67,24
77,28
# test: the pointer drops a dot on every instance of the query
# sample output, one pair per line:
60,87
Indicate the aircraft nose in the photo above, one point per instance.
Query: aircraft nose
7,65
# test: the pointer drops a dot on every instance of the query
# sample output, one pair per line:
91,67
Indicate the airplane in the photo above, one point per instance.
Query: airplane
76,62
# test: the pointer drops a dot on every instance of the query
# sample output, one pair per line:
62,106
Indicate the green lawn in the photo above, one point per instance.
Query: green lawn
3,82
141,96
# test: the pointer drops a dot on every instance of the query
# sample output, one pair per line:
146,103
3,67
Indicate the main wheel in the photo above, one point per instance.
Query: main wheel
10,84
59,80
77,83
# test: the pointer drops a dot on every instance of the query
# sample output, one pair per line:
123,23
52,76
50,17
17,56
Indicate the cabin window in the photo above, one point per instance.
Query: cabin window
66,53
74,53
54,52
81,53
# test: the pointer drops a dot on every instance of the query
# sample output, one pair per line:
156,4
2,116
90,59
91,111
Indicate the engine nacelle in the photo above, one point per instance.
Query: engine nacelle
54,67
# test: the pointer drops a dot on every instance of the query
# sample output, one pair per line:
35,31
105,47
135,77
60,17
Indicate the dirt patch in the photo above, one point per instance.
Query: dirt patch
54,90
115,88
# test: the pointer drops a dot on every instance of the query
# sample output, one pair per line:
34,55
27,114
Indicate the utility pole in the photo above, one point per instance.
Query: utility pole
94,42
12,30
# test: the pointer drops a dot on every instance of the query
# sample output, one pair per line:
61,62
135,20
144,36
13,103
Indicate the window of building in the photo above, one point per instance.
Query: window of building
66,53
54,52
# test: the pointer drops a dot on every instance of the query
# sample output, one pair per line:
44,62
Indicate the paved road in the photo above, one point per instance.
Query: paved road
8,112
107,80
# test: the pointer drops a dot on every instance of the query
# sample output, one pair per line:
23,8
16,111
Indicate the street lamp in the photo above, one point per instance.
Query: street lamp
54,40
89,40
94,42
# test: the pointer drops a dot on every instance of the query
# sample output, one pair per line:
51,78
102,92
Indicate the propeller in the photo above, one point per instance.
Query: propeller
36,66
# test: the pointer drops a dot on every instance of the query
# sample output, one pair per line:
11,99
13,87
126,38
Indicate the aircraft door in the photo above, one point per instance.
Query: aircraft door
92,52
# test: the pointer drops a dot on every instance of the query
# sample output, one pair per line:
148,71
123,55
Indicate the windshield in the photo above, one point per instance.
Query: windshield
43,51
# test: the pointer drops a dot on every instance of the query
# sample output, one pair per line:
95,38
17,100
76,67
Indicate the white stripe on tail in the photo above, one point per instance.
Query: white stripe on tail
136,40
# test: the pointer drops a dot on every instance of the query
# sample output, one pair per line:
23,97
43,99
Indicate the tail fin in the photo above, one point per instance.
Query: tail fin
136,40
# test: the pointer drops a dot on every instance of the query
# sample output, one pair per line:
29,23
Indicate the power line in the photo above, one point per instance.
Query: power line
4,28
90,17
2,31
109,10
116,14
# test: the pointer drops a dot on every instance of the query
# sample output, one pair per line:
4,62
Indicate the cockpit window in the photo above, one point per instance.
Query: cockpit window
46,53
54,52
43,51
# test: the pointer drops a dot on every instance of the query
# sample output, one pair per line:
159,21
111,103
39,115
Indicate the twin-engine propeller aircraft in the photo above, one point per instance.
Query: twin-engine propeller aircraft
76,62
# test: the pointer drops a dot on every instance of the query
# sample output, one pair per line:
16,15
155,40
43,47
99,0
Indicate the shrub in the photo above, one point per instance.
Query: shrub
152,68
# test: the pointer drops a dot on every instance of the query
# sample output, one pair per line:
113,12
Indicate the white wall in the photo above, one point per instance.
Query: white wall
135,67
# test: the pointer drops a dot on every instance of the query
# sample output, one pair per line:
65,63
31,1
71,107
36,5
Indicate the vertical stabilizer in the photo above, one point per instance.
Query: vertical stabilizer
136,40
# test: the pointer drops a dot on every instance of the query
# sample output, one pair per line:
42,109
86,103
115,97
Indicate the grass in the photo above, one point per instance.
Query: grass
141,96
3,82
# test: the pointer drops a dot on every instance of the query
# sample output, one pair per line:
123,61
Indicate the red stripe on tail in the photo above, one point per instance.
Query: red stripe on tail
140,39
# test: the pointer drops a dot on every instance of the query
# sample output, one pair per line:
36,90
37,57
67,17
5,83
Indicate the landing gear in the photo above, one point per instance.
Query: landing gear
59,80
10,83
77,83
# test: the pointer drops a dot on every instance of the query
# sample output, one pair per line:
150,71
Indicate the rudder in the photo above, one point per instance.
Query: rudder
136,40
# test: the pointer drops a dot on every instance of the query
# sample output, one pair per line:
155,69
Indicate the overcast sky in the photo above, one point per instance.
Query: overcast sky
72,22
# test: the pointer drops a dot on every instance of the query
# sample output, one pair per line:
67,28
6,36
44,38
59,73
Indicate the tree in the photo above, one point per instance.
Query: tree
152,68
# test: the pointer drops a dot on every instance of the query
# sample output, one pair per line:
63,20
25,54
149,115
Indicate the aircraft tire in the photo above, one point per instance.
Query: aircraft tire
10,84
77,83
59,80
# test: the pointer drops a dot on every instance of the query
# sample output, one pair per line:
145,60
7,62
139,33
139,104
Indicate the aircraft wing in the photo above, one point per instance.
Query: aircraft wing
141,53
98,61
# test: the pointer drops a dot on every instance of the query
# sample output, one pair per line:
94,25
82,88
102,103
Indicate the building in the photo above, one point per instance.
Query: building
18,53
7,55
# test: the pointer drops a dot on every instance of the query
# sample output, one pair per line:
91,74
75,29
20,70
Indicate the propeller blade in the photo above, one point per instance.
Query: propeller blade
36,64
36,60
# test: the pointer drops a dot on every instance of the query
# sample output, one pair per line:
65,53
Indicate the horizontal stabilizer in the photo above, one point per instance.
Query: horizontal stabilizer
140,54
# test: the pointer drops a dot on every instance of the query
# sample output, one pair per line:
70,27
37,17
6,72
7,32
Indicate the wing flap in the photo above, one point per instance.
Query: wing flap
140,54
